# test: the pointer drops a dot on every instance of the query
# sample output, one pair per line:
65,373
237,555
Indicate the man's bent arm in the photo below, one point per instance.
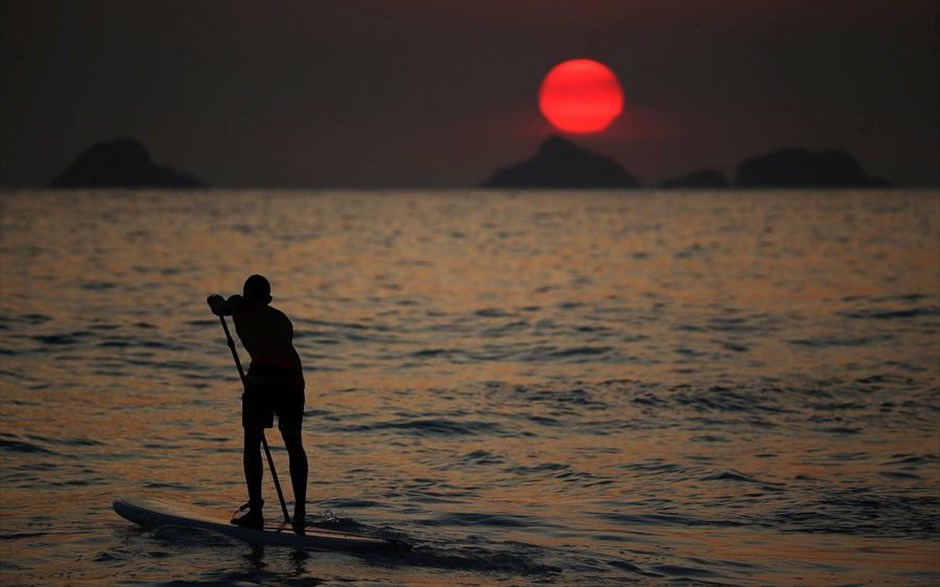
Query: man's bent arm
222,307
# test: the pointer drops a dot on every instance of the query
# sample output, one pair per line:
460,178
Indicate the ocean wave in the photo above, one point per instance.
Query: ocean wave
903,314
432,427
511,559
863,512
63,339
13,443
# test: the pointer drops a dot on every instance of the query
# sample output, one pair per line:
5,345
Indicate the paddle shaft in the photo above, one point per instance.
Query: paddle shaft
264,441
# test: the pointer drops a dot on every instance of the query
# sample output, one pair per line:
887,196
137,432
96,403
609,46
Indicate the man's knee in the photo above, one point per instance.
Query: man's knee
293,441
253,436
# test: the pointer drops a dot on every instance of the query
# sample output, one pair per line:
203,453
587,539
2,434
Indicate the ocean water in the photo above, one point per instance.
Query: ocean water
528,388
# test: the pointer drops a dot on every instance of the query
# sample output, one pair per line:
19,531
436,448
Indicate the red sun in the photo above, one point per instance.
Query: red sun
581,96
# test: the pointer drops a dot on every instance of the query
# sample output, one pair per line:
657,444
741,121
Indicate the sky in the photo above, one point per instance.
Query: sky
372,94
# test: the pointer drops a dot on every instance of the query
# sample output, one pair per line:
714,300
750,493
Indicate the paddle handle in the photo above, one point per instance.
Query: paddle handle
277,484
231,346
264,441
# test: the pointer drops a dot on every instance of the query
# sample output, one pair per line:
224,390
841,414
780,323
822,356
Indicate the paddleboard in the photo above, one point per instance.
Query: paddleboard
151,513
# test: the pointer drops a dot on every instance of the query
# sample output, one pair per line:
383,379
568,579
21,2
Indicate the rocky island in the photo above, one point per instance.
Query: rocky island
559,163
121,163
799,168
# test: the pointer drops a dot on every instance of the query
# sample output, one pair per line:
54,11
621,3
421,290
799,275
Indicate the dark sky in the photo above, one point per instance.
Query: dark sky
436,94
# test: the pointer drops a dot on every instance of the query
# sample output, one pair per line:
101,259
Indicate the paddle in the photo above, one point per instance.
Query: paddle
264,441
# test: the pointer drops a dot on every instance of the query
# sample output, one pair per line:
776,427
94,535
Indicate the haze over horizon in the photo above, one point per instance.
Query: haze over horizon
415,94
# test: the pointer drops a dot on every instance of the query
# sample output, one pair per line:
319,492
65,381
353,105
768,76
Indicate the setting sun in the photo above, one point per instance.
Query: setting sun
581,96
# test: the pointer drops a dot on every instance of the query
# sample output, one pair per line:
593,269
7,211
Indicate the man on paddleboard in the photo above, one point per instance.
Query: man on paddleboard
274,385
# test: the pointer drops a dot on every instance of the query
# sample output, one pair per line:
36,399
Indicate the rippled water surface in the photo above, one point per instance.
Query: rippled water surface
529,388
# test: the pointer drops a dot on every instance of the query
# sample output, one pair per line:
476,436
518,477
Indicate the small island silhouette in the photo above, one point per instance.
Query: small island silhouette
559,163
797,168
121,162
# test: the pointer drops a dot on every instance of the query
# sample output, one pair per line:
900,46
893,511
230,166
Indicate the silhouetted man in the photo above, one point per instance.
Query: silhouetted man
274,385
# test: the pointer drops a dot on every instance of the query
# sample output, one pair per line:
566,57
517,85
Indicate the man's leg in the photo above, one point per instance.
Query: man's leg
298,473
254,471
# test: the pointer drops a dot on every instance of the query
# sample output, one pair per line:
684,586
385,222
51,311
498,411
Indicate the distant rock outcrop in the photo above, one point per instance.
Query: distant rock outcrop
120,163
706,178
559,163
797,168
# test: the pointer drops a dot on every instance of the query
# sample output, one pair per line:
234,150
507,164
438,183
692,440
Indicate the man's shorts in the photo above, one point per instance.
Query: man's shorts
266,396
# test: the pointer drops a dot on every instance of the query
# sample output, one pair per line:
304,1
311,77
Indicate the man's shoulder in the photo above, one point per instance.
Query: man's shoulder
277,313
236,304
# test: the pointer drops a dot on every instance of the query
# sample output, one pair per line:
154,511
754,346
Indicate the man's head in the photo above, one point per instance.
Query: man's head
257,289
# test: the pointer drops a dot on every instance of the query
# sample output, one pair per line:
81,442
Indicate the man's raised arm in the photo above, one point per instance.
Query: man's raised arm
222,307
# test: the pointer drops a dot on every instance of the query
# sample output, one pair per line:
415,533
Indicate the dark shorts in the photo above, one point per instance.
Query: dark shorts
266,396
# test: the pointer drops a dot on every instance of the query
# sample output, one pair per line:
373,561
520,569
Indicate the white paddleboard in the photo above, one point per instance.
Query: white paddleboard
151,513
